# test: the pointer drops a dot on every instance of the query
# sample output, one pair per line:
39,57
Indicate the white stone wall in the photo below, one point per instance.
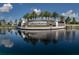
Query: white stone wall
38,23
56,23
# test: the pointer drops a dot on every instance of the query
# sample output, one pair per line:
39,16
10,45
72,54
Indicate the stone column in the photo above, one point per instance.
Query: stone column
56,23
22,22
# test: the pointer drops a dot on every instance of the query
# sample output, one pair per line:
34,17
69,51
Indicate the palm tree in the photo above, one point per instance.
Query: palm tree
3,22
10,23
46,14
74,21
34,15
68,19
62,18
41,15
26,16
20,21
55,15
16,21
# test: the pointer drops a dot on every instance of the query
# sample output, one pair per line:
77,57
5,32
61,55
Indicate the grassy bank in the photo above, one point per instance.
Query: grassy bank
72,24
7,27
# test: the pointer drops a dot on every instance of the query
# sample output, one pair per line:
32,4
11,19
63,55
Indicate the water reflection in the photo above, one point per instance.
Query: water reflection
5,40
36,36
44,36
70,34
6,43
47,36
24,41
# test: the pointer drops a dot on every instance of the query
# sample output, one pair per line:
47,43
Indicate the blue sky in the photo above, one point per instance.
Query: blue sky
19,9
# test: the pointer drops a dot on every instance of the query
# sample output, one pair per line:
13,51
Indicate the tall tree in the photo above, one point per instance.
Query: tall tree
55,15
26,16
41,15
46,14
34,15
62,18
20,21
68,19
74,21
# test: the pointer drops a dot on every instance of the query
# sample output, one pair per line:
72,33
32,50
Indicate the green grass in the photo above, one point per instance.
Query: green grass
72,24
7,26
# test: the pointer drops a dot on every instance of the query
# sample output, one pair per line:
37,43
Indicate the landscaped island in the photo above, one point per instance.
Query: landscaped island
43,20
42,24
46,20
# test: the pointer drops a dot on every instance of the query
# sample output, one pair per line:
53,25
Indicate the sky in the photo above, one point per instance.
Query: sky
17,10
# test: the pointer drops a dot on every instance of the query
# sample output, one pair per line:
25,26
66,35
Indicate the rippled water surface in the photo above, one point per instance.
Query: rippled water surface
39,41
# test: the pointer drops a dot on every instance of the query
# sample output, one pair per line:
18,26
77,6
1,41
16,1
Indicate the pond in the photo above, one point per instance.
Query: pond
39,42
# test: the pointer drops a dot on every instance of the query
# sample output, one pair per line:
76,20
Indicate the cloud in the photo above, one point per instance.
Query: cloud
6,7
38,11
70,13
7,43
